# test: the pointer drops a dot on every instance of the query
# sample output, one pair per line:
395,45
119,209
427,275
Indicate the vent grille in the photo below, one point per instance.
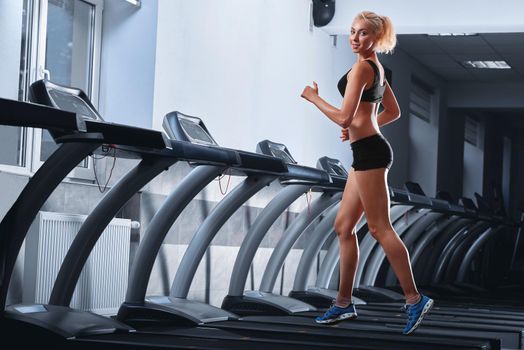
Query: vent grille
420,101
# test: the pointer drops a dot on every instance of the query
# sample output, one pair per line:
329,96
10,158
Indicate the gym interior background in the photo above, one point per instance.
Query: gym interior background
241,66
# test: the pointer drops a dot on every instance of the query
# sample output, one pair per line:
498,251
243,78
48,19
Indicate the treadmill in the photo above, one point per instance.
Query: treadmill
78,134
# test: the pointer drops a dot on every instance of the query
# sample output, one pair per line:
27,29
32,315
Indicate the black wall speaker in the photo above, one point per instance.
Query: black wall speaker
323,12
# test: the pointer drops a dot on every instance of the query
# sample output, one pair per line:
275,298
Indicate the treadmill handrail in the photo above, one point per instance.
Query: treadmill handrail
300,172
32,115
126,135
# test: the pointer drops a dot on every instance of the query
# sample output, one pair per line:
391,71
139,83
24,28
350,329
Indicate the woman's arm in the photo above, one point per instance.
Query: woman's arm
343,116
391,110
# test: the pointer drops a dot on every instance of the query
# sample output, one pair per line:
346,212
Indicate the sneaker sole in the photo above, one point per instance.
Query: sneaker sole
346,316
426,309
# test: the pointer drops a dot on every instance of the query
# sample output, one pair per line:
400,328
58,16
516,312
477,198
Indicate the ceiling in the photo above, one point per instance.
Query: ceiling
443,54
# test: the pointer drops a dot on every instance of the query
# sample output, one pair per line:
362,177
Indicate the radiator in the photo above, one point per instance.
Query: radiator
103,282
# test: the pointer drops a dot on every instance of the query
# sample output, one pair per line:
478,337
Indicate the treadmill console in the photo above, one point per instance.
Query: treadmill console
89,120
182,127
64,98
277,150
332,166
72,103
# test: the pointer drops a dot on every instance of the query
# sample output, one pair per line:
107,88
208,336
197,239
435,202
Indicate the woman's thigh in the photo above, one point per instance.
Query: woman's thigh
351,209
374,195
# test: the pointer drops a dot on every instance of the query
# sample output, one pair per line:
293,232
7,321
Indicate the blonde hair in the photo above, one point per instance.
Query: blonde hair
383,27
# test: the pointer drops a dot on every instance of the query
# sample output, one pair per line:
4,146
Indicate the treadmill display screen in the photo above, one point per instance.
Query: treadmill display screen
278,151
72,103
195,132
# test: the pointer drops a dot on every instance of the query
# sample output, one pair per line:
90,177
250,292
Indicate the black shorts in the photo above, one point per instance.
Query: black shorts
372,152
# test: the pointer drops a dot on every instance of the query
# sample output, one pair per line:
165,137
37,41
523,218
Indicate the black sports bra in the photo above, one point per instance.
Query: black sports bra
374,93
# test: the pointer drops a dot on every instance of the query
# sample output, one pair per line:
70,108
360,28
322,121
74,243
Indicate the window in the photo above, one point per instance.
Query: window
420,99
471,131
60,41
12,150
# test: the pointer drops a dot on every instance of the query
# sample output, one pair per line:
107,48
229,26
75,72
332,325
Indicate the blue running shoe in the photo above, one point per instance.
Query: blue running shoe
336,314
416,313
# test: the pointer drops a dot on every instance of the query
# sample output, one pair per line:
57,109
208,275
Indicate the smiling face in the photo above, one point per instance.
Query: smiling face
362,37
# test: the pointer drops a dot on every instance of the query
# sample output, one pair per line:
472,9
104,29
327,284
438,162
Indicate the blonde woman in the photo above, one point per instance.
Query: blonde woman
366,191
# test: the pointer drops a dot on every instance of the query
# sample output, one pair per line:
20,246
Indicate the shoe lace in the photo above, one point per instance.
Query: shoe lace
331,309
408,309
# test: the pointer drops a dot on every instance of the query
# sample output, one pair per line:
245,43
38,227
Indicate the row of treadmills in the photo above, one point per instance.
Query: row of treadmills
460,252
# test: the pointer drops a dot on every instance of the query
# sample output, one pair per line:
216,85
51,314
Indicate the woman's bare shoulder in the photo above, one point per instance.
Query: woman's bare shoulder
362,69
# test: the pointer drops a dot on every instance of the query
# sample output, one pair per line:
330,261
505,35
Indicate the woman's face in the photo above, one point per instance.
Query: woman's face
362,38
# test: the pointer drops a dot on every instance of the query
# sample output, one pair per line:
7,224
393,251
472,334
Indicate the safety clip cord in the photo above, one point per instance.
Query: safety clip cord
309,195
228,173
106,149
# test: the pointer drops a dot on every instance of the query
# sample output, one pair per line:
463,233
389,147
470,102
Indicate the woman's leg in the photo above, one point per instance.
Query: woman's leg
373,191
348,216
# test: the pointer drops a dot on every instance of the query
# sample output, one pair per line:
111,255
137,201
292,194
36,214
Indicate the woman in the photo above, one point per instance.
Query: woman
363,88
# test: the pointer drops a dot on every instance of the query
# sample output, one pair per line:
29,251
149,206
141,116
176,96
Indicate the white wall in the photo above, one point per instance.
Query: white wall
242,65
10,46
127,69
444,16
